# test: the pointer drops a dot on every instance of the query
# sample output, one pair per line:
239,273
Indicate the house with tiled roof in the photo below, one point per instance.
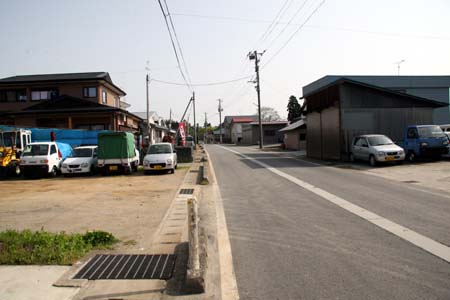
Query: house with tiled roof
69,100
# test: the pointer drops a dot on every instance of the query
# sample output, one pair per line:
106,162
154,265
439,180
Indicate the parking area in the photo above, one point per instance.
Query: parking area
130,207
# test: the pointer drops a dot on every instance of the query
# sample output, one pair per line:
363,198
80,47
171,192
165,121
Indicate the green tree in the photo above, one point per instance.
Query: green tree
269,114
294,109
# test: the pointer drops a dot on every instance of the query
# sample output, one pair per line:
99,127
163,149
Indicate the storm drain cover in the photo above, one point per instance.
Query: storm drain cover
186,191
108,267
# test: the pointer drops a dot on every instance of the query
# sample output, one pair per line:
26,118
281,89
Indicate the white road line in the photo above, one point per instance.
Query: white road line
228,284
409,235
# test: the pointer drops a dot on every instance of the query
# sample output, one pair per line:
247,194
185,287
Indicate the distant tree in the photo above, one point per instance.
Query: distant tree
294,109
269,114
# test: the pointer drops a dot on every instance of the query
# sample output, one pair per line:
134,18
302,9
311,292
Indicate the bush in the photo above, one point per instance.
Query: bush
45,248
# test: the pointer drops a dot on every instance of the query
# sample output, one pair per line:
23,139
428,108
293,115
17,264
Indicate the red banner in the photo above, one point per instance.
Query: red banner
182,132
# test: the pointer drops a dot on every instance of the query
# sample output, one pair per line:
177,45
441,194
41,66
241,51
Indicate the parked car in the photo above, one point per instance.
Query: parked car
424,140
189,141
375,148
160,156
44,158
83,160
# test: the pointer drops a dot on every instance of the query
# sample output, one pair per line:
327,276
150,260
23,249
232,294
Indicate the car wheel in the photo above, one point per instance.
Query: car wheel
352,157
411,156
54,172
146,172
372,161
172,171
91,170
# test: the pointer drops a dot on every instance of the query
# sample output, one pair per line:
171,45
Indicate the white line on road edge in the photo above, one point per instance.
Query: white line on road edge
409,235
228,285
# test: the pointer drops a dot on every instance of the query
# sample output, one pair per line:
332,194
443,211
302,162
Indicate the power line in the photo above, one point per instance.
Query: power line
275,21
288,23
173,46
295,32
178,42
344,29
202,84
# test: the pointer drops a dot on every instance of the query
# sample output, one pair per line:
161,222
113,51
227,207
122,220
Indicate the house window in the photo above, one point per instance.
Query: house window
302,136
46,94
13,95
104,97
116,101
90,92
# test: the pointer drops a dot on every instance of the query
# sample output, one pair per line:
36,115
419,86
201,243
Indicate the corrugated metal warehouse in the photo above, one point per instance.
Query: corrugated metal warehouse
271,134
340,109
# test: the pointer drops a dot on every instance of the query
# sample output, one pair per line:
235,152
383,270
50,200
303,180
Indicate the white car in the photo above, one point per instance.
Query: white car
160,156
41,158
83,160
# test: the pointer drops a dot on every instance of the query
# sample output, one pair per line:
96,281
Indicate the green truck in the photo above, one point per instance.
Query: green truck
117,153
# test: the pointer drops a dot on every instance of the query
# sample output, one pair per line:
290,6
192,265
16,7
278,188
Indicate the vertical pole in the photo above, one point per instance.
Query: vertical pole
148,109
204,131
220,121
259,100
170,120
195,123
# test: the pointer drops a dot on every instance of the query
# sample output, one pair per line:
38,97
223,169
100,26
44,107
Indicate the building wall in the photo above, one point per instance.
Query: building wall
74,89
292,139
236,132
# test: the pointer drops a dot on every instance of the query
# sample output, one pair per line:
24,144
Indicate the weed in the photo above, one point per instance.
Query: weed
44,248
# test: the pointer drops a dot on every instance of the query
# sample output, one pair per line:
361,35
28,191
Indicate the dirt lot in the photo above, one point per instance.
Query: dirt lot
131,207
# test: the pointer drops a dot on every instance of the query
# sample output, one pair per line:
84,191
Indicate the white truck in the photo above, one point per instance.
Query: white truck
43,158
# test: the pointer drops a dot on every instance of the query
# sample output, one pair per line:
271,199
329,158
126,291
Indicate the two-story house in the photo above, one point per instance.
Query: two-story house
72,100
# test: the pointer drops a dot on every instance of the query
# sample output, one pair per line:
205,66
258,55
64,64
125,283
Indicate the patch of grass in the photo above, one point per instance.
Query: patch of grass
46,248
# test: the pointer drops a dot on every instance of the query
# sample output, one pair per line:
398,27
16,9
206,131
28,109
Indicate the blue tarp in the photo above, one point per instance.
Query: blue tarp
65,149
73,137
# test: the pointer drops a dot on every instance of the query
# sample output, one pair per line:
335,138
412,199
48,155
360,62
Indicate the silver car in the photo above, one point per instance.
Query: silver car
375,148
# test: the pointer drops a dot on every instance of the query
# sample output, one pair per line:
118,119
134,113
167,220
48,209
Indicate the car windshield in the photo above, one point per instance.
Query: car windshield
8,139
83,152
159,149
35,150
379,140
431,132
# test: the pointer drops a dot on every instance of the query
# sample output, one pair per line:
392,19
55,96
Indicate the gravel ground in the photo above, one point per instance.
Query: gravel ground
131,207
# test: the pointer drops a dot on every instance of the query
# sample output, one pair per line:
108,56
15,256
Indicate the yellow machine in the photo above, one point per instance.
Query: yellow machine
12,145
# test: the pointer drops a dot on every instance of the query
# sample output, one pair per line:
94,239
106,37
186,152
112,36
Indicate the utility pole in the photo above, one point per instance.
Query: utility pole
254,56
220,120
204,131
170,119
147,81
398,66
195,124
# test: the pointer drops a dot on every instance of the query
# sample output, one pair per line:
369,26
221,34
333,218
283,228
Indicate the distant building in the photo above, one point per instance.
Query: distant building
70,100
157,127
271,134
339,108
232,126
294,135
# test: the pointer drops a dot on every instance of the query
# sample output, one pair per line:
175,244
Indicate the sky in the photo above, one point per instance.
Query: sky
308,40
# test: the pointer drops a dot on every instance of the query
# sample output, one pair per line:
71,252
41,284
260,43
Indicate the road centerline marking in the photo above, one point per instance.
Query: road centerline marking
431,246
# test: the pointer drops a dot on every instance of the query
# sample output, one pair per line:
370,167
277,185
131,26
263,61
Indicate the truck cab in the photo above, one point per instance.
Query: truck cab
12,144
425,140
44,158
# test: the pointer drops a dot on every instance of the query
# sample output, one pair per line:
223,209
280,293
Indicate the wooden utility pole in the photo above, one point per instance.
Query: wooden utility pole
254,56
220,120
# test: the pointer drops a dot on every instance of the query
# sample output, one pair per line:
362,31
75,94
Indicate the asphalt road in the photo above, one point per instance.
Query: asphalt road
288,242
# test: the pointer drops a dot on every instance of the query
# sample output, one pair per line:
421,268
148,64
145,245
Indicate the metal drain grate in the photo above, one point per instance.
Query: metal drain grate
104,266
186,191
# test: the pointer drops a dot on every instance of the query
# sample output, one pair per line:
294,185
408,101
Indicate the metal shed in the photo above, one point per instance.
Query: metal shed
344,108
